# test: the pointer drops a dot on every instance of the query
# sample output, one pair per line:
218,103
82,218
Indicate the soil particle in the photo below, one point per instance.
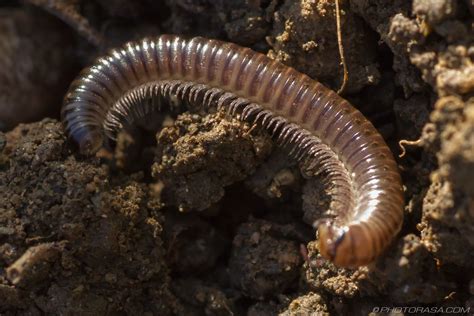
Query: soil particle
397,31
447,223
449,72
263,309
73,242
10,296
408,274
208,298
402,36
321,275
435,11
241,21
304,36
34,265
277,179
199,156
248,22
448,69
263,261
412,114
193,244
309,304
278,182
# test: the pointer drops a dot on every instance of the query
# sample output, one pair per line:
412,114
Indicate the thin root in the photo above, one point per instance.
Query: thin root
341,49
405,142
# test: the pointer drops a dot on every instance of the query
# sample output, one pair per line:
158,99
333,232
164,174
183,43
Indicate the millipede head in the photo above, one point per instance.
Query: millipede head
332,243
88,142
347,246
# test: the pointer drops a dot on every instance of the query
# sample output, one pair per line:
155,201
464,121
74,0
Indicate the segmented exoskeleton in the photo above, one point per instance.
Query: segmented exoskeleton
128,83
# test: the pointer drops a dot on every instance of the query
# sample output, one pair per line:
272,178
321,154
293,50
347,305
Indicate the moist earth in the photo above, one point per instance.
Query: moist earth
207,216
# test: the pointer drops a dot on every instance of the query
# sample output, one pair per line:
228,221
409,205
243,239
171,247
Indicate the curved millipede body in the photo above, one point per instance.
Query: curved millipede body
323,130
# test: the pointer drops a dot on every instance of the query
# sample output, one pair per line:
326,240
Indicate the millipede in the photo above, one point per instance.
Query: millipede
324,132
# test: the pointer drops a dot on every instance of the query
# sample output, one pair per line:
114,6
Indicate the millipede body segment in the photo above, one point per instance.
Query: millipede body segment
322,129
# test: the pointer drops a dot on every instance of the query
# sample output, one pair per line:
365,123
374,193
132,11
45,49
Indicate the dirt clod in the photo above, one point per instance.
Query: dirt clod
261,262
202,155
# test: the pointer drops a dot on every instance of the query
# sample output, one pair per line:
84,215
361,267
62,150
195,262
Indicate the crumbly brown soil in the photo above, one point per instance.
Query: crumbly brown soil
208,217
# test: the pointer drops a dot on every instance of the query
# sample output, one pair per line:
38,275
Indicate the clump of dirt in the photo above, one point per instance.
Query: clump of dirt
308,304
71,242
262,260
304,36
194,244
397,31
213,220
241,21
448,218
199,156
203,298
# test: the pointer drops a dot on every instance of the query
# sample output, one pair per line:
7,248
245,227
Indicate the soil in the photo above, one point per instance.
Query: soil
207,216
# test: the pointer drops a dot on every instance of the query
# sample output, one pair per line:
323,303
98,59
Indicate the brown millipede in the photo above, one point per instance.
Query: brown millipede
324,130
